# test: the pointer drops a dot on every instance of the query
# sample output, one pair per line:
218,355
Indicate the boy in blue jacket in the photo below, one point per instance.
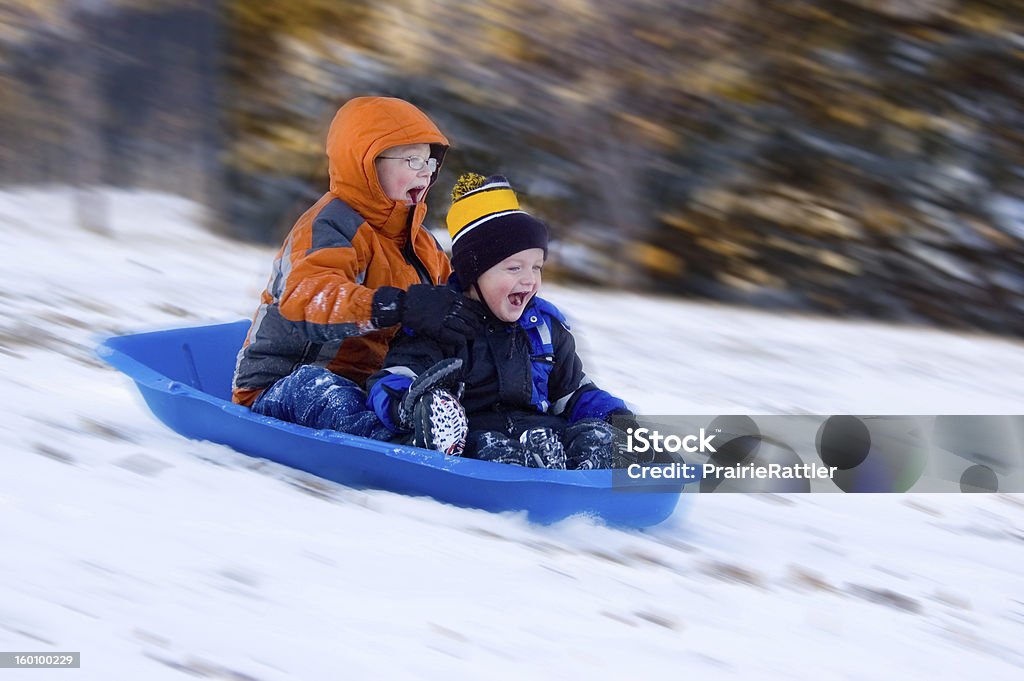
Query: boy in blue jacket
519,380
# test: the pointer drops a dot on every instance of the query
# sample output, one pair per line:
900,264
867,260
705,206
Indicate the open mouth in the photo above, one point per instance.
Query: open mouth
517,299
415,194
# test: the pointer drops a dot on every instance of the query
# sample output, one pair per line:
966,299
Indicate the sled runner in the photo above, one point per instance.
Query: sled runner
185,377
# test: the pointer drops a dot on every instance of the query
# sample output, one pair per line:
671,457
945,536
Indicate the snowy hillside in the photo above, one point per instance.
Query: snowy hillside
162,558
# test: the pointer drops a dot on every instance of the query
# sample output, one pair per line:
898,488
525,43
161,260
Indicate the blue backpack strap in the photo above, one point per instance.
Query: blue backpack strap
536,321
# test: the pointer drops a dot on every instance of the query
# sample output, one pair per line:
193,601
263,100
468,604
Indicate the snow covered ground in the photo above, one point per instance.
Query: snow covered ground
162,558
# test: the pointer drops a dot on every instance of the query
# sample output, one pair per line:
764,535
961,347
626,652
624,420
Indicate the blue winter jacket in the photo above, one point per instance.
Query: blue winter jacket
510,371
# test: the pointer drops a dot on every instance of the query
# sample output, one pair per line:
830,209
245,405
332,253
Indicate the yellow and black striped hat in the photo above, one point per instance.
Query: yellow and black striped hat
487,225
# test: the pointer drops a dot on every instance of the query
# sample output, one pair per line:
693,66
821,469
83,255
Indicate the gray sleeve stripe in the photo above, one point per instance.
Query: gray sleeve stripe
282,268
335,226
243,351
559,406
402,371
325,333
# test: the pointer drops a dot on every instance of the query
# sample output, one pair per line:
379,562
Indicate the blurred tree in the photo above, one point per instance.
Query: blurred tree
84,91
853,156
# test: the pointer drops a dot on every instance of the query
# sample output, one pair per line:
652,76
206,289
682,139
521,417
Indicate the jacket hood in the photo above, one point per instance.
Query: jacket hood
360,131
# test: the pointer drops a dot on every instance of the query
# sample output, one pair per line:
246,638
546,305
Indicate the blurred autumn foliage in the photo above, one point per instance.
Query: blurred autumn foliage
861,157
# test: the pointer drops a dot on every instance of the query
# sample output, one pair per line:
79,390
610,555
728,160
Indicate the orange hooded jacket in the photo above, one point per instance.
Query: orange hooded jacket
316,308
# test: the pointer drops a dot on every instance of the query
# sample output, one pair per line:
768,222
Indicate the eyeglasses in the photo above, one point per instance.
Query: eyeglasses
415,162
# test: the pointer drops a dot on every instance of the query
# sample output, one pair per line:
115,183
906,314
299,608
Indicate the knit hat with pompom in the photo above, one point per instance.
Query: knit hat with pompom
487,226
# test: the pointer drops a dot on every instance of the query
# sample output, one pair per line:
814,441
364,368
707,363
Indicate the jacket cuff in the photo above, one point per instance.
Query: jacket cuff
384,398
595,404
386,308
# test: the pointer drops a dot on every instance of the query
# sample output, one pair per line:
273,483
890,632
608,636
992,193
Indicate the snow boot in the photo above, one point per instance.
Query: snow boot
490,445
591,445
439,423
543,448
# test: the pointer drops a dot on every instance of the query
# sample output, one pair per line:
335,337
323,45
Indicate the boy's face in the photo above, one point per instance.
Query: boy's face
397,179
508,286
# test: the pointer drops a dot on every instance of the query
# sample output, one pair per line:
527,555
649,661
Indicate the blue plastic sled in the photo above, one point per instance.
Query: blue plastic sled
185,377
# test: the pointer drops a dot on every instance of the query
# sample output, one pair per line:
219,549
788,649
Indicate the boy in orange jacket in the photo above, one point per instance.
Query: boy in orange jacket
356,266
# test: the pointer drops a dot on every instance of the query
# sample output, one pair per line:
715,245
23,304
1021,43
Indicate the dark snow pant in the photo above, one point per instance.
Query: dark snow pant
587,444
318,398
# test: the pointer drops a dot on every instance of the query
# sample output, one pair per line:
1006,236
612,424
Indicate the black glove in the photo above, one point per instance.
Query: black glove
434,311
623,419
623,424
445,375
